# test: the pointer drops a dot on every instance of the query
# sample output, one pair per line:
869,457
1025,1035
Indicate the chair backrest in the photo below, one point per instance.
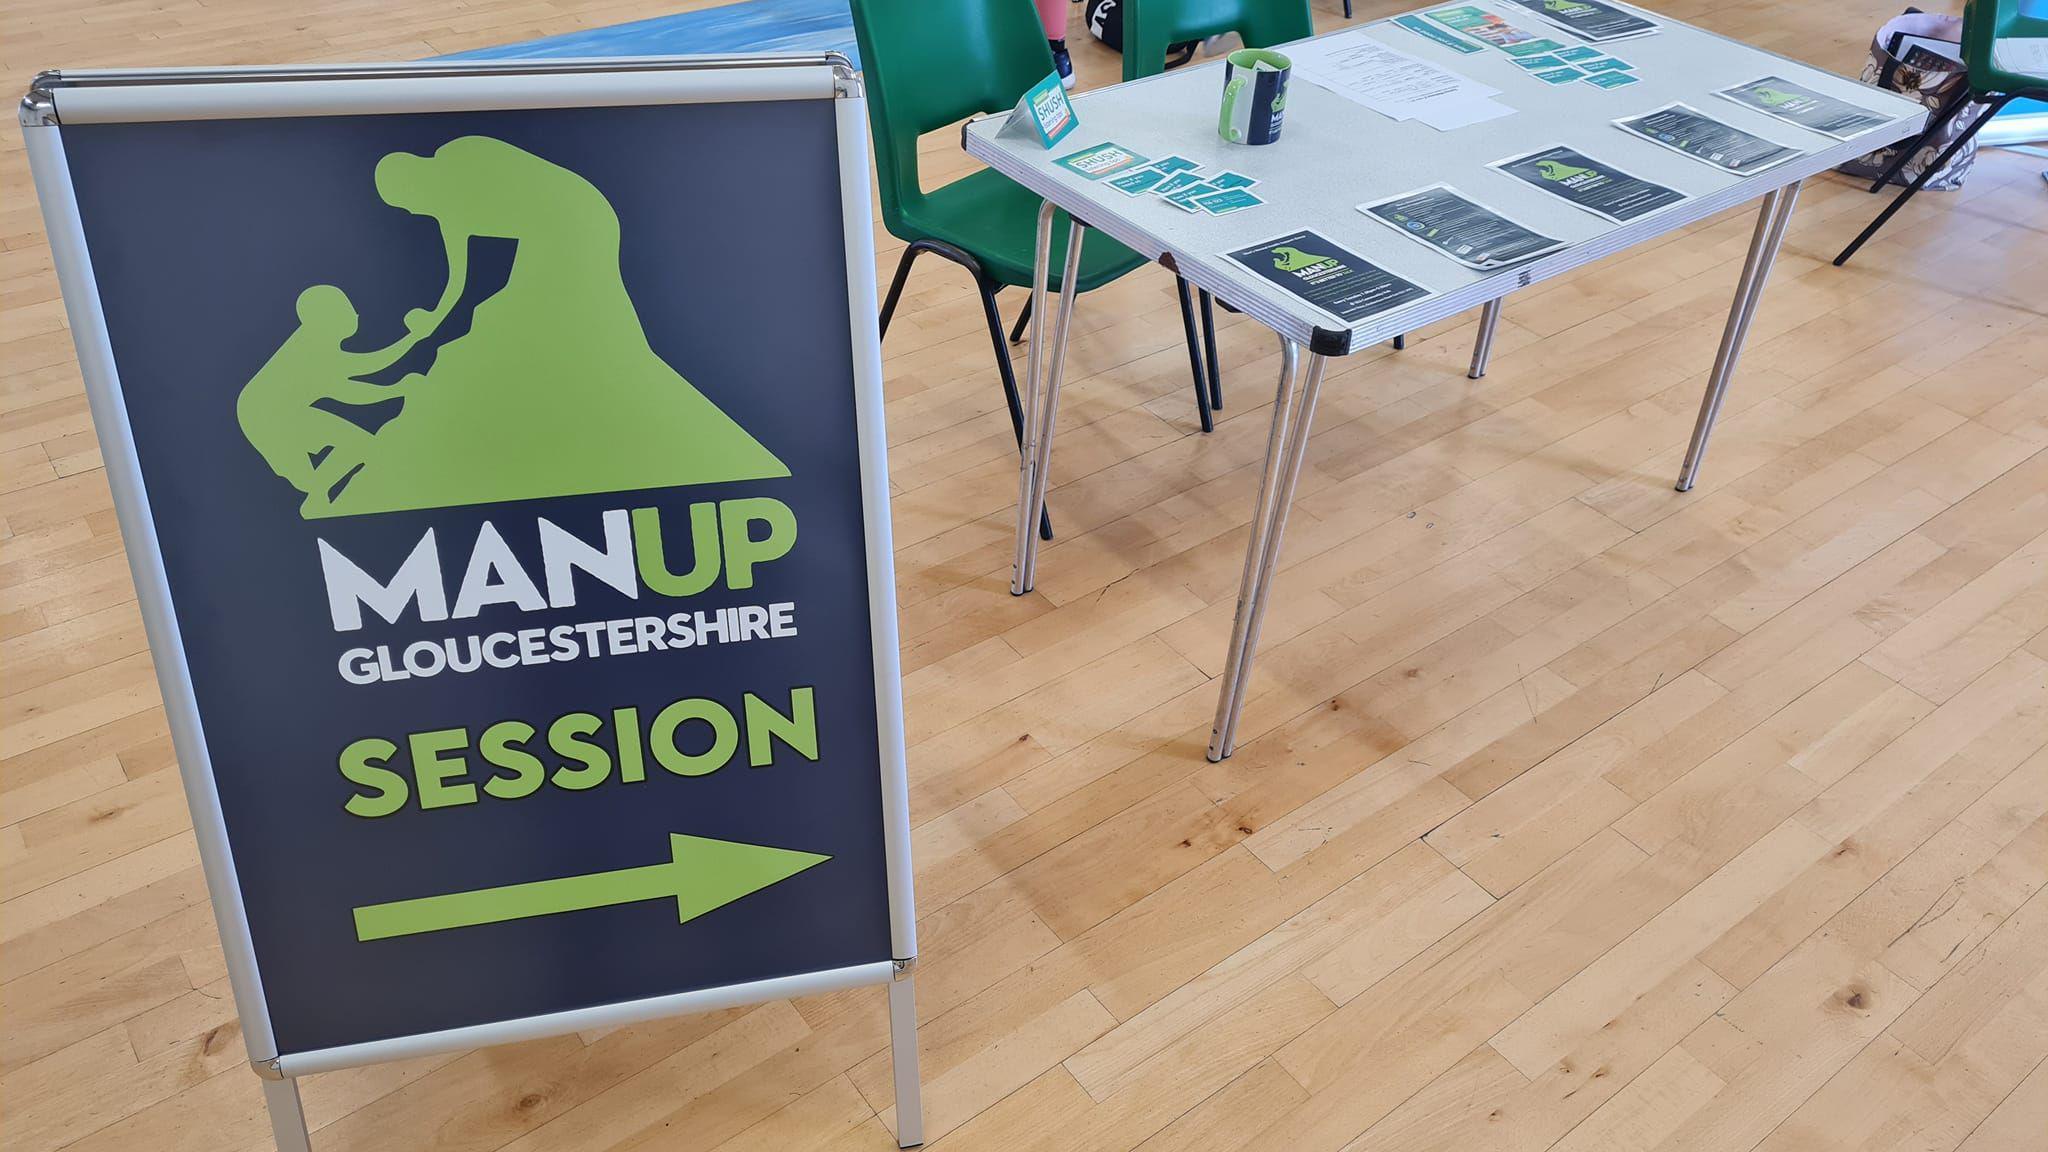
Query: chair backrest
1985,22
929,63
1151,25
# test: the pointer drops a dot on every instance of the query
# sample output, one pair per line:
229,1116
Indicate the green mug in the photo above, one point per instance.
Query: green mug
1254,96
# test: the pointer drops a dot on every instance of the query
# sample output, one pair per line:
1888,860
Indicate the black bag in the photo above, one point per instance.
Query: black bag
1105,20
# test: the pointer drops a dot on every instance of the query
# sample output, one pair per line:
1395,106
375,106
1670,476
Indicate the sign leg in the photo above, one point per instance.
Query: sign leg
903,1060
1763,252
287,1116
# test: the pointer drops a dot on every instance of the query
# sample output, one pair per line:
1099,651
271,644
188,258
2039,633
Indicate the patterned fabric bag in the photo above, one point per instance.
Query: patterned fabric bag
1929,77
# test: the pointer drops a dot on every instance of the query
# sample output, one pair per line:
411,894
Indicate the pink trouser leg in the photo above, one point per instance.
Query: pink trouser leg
1053,14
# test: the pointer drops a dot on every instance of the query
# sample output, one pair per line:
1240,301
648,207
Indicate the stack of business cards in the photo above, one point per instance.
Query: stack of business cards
1181,182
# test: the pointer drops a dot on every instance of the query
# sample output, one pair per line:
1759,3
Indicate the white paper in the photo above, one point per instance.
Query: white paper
1393,83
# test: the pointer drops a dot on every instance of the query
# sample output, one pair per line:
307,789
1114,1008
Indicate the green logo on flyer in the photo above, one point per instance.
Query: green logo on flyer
550,388
1558,170
1287,258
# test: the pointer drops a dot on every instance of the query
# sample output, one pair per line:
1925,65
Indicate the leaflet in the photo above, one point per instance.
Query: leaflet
1393,83
1337,282
1459,227
1593,20
1797,104
1489,28
1600,189
1687,130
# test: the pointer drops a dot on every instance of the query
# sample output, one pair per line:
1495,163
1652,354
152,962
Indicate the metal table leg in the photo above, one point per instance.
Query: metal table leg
1042,392
1286,448
1482,348
1771,220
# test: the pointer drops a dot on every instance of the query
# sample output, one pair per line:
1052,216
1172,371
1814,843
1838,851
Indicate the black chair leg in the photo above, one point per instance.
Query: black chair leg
1209,351
1906,153
1926,174
1009,374
1023,318
1187,322
1400,342
896,285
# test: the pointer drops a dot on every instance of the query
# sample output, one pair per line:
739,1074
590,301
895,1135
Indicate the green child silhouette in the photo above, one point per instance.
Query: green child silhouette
312,448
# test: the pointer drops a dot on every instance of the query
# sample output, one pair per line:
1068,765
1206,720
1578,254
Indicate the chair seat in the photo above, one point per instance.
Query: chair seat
2024,60
996,220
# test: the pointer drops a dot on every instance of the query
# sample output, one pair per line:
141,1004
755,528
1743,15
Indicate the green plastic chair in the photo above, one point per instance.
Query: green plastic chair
1995,32
930,63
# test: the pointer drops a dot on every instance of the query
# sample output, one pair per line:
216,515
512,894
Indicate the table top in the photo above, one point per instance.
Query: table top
1334,154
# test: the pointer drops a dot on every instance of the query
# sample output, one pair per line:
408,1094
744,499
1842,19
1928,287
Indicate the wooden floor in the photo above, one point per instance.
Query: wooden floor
1571,813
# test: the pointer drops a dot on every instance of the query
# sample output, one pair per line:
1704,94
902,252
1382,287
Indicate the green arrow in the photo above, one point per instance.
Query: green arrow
701,874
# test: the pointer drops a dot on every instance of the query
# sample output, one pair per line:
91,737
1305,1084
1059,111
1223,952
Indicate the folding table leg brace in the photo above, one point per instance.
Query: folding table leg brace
1749,289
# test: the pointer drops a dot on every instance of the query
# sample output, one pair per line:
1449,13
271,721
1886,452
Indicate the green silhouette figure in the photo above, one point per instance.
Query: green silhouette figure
1566,6
1287,258
311,447
1558,170
553,390
1775,97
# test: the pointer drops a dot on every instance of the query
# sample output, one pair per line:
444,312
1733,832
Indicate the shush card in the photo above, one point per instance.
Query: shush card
1232,180
1566,75
1610,64
1176,182
1611,79
1101,160
1184,198
1532,63
1226,201
1138,183
1170,164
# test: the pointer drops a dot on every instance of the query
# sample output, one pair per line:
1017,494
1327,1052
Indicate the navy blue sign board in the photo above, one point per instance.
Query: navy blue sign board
499,453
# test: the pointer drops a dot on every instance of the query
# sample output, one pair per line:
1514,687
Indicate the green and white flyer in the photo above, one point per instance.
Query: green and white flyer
1603,190
1459,227
1691,132
1797,104
1340,283
1590,19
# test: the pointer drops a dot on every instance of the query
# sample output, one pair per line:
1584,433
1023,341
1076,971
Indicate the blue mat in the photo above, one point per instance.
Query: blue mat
749,26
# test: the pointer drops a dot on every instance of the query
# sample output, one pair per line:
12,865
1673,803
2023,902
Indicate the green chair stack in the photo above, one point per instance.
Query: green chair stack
930,63
1999,39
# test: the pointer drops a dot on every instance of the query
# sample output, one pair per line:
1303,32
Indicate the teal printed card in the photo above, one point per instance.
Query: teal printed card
1559,75
1043,113
1099,161
1139,182
1171,164
1608,65
1226,201
1610,79
1577,53
1232,180
1547,60
1176,182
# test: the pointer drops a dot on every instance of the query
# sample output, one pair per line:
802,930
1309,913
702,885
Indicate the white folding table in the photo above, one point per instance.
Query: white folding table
1335,154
